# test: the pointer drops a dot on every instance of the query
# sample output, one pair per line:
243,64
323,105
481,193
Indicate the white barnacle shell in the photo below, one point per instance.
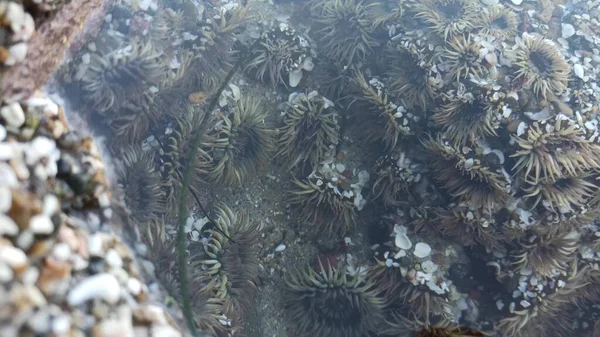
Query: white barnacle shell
402,241
429,267
295,77
567,30
422,250
578,70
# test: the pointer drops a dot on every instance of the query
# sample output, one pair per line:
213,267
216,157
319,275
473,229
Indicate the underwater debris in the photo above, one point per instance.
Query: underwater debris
310,131
327,301
240,143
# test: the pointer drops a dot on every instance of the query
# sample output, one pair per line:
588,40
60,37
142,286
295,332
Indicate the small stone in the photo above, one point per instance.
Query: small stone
16,54
6,152
134,286
578,70
41,224
295,77
6,274
8,227
113,259
2,133
102,286
14,257
567,30
280,248
13,114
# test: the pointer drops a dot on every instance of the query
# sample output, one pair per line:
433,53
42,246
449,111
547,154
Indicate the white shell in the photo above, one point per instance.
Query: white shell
235,90
567,30
295,77
517,2
422,250
101,286
489,2
308,64
429,267
578,69
402,241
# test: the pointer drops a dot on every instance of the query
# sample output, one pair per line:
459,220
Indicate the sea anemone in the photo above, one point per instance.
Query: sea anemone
468,118
554,152
113,79
282,51
344,31
134,119
231,261
540,65
411,74
240,144
330,302
462,58
547,253
385,121
141,185
207,309
465,176
423,305
468,226
565,194
447,18
310,131
395,175
498,21
325,202
174,151
385,12
331,80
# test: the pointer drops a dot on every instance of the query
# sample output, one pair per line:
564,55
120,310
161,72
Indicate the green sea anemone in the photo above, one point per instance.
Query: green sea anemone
207,309
327,301
565,194
540,65
231,262
344,30
310,131
498,21
465,175
469,226
396,174
240,143
140,184
131,124
462,58
385,12
423,305
175,147
547,253
447,18
282,50
324,202
114,78
411,74
385,120
468,118
555,152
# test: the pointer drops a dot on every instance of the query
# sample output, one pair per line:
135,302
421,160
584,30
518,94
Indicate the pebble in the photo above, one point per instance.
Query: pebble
102,286
8,227
280,248
113,259
13,257
567,30
41,224
13,115
16,54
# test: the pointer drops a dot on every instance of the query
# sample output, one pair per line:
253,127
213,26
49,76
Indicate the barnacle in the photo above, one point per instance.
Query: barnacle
385,12
447,18
565,194
498,21
112,79
325,202
231,261
395,175
465,176
174,151
327,301
411,75
386,121
141,185
310,131
469,118
240,143
554,151
207,309
344,30
462,58
282,50
547,253
540,65
468,226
